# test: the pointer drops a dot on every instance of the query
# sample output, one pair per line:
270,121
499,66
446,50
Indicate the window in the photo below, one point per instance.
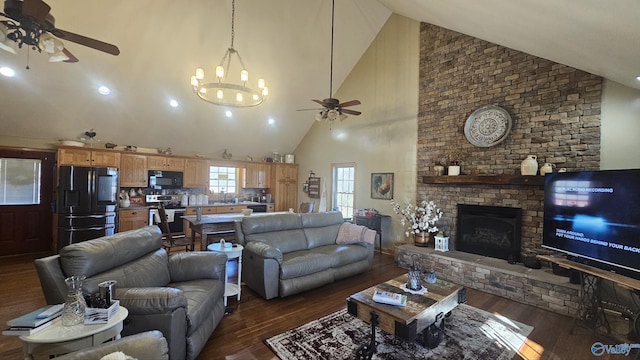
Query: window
223,179
343,189
20,181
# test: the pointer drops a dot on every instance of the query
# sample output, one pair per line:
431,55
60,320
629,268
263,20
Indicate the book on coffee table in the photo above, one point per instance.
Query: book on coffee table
386,297
25,330
36,318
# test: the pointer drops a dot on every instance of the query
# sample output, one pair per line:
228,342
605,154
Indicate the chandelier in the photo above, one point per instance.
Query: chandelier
222,91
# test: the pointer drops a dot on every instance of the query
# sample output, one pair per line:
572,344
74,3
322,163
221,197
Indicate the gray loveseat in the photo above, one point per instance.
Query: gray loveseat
181,295
285,254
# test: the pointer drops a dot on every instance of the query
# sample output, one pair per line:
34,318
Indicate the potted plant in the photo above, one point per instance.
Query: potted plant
422,220
455,159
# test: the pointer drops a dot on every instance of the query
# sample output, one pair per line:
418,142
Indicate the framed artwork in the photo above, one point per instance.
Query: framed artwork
382,186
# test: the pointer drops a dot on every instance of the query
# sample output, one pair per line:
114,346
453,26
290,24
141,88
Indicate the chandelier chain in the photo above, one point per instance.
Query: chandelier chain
233,21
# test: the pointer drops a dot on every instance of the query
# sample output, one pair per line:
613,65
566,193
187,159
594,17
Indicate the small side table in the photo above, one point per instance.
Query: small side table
372,222
233,252
57,339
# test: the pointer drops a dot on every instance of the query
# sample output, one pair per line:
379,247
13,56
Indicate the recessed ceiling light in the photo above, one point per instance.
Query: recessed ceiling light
271,121
104,90
228,113
8,72
173,103
638,78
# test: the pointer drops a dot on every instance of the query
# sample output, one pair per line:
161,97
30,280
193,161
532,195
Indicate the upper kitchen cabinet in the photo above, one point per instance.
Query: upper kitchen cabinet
257,175
284,182
165,163
88,157
196,173
133,170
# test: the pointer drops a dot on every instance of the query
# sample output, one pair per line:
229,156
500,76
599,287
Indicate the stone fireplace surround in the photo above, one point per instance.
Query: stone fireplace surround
556,116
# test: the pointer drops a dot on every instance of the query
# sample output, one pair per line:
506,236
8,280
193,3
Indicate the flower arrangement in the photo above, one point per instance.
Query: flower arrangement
421,218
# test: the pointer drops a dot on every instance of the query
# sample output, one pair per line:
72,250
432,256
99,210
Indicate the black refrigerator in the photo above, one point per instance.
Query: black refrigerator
87,203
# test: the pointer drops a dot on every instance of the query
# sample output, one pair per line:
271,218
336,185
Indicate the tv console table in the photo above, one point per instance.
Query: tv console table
591,308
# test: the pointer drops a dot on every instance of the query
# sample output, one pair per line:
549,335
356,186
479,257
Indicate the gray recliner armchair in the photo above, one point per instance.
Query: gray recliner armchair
181,295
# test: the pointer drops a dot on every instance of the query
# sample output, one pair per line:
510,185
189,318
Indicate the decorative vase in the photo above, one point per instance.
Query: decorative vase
547,168
529,166
422,239
439,170
74,309
453,170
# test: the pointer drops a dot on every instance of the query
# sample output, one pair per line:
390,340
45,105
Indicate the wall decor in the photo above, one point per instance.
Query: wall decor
382,186
488,126
314,187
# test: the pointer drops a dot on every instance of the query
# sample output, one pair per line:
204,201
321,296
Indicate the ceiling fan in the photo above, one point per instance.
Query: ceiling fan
30,22
332,108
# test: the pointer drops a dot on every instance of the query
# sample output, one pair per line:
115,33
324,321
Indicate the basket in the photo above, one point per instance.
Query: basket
101,316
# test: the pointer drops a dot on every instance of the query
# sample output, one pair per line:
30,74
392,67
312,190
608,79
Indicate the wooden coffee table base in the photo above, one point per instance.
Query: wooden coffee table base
422,320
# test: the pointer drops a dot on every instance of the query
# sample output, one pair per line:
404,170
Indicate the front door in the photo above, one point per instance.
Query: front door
26,221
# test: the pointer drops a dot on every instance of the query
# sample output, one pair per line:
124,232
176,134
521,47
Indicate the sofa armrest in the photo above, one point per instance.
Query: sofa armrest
264,250
147,345
196,265
151,300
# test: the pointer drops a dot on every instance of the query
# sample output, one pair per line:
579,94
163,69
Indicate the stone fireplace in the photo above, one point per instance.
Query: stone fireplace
492,231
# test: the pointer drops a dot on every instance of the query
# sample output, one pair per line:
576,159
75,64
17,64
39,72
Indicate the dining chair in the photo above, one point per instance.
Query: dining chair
171,241
306,207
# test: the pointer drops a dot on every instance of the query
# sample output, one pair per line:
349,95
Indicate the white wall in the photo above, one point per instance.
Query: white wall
620,127
383,138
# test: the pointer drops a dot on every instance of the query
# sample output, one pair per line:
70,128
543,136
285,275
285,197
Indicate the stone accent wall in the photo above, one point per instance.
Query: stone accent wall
555,110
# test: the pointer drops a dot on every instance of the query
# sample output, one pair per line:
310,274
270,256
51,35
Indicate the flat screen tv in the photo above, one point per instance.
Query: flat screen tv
594,217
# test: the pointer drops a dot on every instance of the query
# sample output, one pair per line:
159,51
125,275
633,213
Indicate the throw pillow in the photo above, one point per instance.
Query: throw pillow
350,233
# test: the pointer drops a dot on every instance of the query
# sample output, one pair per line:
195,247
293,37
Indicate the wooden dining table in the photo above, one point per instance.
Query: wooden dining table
217,224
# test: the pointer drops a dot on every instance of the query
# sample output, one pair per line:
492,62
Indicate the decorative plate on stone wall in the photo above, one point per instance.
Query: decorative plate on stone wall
488,126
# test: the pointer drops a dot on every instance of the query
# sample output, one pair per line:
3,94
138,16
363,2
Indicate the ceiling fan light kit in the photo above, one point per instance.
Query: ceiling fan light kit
29,22
222,91
332,109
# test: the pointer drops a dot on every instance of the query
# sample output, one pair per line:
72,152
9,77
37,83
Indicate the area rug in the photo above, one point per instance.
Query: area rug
470,333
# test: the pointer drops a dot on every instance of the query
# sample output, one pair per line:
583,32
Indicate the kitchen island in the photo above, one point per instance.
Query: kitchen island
218,224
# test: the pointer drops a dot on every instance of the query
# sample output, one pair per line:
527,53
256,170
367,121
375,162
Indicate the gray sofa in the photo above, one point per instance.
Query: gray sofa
181,295
285,254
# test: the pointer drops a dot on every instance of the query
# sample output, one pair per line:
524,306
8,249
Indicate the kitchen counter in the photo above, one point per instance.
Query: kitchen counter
223,218
246,203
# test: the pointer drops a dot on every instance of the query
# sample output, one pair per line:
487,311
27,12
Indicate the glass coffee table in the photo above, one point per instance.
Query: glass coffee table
57,339
421,320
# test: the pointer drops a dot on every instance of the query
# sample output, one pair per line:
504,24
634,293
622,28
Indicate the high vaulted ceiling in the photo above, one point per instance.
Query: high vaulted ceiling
285,41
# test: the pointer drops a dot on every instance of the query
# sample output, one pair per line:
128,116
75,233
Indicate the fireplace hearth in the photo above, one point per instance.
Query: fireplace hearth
490,231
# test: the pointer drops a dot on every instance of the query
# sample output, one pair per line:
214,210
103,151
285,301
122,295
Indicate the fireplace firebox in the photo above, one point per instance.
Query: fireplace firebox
489,231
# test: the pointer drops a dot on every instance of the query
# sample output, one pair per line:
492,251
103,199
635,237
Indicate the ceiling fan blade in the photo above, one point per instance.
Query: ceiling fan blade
319,102
350,112
349,103
37,9
72,59
83,40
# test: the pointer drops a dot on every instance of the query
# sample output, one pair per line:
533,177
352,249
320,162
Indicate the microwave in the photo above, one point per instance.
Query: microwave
159,179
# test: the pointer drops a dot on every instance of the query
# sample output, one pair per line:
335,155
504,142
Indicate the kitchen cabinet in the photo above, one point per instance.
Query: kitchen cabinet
131,219
88,157
196,173
271,208
257,176
133,170
168,163
284,186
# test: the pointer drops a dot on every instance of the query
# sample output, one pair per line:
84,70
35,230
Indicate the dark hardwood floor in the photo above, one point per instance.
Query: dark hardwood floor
241,334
